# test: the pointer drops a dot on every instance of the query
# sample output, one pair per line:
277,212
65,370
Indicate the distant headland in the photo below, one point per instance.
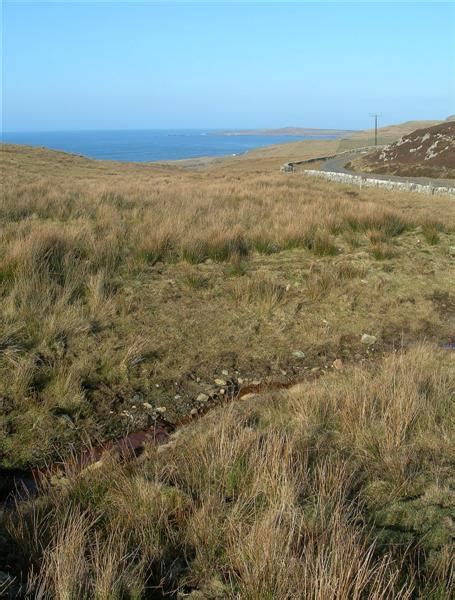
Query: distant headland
297,131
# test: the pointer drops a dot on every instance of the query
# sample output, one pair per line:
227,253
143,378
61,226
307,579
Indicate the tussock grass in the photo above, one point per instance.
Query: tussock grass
381,250
431,231
119,281
259,289
124,288
329,490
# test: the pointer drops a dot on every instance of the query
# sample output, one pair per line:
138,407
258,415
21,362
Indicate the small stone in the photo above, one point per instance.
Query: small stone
240,381
256,382
225,372
177,397
298,354
314,369
337,364
157,385
202,398
147,405
160,409
222,391
368,340
220,382
198,379
283,372
452,250
193,412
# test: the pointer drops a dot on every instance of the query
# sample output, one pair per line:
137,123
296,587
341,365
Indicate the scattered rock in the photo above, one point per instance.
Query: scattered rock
147,405
193,412
256,382
177,397
452,250
298,354
220,382
202,398
314,369
160,409
337,364
368,340
225,372
240,380
222,391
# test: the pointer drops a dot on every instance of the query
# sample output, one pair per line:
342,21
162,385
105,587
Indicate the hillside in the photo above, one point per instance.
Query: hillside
386,135
426,152
135,294
270,157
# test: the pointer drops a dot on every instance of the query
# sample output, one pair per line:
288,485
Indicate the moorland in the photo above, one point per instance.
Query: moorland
130,291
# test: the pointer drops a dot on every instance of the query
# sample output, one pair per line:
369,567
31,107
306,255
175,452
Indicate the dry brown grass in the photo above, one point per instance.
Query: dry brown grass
125,283
337,488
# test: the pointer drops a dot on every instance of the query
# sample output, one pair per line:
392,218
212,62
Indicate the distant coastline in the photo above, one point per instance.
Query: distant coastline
152,145
287,131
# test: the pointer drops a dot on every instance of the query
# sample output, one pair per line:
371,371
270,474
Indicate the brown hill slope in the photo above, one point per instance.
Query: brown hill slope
428,152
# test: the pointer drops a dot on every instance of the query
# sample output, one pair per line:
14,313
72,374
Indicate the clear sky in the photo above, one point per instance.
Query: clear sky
126,65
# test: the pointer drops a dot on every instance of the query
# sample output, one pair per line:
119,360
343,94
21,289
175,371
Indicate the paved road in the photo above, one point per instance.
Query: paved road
337,165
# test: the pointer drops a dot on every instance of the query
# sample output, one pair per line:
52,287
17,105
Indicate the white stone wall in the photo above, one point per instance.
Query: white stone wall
362,181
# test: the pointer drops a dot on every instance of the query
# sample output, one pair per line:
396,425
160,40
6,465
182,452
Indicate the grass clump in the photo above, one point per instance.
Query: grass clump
320,242
431,232
381,251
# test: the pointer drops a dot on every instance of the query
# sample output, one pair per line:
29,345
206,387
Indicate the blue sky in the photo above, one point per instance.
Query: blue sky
125,65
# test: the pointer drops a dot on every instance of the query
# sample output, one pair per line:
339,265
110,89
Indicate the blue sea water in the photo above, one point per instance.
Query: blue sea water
148,145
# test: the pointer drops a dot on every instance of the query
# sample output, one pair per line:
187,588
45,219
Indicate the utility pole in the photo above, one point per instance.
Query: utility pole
375,127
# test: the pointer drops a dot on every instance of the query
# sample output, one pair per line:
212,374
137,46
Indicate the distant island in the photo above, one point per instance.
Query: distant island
295,131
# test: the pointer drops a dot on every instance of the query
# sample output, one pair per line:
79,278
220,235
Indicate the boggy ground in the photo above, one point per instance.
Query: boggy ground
130,290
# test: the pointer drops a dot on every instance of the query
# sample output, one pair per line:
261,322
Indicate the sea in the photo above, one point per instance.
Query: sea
149,145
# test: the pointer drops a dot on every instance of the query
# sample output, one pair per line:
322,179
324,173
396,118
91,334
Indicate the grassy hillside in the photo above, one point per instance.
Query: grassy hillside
386,135
427,152
129,291
271,157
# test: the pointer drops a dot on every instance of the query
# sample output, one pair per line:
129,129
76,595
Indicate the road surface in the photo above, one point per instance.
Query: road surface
337,165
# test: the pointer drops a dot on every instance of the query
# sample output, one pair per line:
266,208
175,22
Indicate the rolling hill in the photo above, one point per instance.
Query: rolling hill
426,152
